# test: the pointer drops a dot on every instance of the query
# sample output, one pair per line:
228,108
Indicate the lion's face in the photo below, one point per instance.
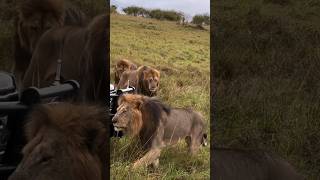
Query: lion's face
33,25
45,157
152,80
128,116
121,68
121,120
64,141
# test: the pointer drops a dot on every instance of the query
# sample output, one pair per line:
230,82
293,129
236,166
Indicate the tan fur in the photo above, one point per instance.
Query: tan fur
145,79
122,66
157,125
65,141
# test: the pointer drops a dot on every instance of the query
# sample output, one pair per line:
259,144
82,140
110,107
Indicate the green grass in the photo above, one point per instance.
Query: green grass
182,55
267,72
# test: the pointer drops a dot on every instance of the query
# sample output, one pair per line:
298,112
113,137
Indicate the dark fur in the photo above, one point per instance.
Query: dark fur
157,125
83,51
137,79
65,142
231,164
51,13
153,111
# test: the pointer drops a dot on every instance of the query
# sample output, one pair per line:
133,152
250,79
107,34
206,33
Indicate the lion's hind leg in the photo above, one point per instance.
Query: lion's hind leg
151,157
195,140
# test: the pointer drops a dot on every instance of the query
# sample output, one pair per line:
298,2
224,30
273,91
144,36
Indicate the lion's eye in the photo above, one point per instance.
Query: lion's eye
45,159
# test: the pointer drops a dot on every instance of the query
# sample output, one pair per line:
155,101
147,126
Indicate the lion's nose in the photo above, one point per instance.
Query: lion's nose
114,119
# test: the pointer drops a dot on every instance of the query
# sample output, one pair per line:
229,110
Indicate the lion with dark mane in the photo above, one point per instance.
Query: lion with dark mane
122,66
232,164
157,125
145,79
34,18
65,142
82,51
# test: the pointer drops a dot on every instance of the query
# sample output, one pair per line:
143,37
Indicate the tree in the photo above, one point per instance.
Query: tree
165,15
201,19
114,9
132,10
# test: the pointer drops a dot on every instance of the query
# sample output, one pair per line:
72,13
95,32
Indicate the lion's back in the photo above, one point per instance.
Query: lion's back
181,122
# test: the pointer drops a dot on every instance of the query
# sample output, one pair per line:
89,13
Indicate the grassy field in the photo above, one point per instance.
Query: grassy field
267,61
182,56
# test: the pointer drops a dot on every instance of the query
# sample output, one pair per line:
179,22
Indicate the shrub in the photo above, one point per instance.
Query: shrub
201,19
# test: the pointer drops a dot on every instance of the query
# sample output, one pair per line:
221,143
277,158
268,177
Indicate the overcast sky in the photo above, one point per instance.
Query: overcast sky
190,7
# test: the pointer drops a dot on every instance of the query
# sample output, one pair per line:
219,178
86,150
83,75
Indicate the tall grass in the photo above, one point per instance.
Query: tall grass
266,67
182,56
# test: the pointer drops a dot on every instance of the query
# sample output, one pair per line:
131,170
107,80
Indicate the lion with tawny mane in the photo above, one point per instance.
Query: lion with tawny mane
121,66
157,125
145,79
65,142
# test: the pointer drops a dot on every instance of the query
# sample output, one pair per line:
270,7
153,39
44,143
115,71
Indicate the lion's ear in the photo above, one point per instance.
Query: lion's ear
158,73
146,73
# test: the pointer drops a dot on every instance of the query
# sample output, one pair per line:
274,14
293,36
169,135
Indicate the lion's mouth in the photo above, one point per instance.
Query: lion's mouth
118,128
153,90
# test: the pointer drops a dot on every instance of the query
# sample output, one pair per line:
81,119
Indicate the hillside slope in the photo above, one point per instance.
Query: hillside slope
182,55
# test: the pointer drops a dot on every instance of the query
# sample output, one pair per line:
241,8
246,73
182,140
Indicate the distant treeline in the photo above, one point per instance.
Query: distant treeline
160,14
169,15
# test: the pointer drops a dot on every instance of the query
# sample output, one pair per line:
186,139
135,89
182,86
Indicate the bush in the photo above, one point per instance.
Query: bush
132,10
165,15
201,19
154,13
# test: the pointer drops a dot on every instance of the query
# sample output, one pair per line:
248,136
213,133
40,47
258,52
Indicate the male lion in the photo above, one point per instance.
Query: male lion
157,125
83,53
65,142
235,164
122,66
33,19
145,79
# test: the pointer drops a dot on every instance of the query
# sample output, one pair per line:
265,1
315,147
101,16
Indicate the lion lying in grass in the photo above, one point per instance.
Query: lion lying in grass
157,125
